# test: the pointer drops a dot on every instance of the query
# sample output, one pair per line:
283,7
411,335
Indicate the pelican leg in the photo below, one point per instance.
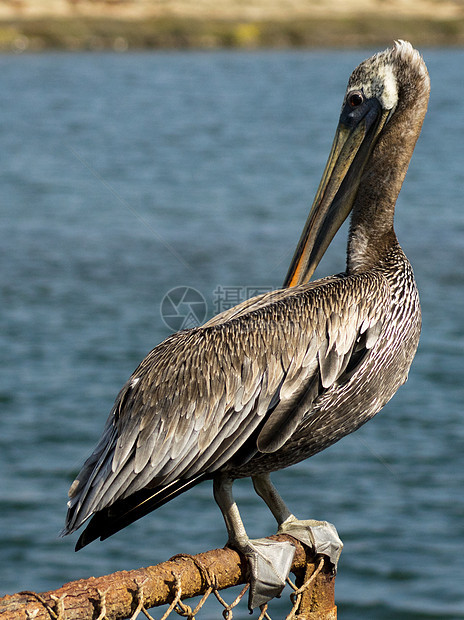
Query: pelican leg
269,561
318,535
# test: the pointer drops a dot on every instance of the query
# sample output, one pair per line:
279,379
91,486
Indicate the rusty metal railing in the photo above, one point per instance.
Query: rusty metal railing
130,594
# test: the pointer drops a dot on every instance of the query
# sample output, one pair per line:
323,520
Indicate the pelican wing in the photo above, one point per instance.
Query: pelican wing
260,301
229,389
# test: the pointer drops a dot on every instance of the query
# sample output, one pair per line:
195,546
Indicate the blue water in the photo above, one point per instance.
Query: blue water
124,176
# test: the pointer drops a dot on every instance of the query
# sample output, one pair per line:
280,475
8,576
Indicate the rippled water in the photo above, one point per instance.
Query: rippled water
123,176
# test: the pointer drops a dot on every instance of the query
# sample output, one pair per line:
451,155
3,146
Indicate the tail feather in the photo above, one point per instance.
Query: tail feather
123,512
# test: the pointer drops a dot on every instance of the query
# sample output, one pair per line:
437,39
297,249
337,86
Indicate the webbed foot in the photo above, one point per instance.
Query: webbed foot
319,535
269,562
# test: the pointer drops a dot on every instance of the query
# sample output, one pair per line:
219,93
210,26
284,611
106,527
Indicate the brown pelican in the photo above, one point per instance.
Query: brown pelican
284,375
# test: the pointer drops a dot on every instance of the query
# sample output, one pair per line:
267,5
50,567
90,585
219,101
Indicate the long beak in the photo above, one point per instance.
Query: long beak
350,151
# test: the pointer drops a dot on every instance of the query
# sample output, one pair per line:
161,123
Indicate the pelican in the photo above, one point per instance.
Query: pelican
286,374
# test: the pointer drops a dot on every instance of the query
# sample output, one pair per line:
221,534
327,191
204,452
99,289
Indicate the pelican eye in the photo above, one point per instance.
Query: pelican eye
355,99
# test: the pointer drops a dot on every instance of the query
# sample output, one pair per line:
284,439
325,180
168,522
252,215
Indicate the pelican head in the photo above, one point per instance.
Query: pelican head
377,90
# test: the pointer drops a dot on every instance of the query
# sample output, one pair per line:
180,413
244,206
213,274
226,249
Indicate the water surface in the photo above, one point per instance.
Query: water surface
124,176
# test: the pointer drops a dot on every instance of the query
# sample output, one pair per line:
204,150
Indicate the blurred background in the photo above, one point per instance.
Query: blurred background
128,172
136,24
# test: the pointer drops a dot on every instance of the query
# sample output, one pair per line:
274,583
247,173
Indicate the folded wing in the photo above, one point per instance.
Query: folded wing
239,385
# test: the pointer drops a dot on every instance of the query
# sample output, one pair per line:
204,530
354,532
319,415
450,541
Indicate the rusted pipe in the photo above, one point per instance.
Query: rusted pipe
317,600
117,596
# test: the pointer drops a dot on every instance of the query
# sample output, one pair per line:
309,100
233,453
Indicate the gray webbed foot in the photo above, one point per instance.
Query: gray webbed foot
318,535
269,562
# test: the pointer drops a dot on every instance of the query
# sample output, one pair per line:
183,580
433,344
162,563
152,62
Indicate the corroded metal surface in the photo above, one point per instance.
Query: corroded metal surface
118,595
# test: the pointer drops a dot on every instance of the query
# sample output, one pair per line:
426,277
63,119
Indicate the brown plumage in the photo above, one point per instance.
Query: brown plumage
286,374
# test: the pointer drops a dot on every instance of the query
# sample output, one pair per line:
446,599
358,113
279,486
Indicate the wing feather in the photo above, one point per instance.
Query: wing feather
248,375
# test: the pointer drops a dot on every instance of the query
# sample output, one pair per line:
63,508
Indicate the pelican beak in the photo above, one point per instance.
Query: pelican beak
356,135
